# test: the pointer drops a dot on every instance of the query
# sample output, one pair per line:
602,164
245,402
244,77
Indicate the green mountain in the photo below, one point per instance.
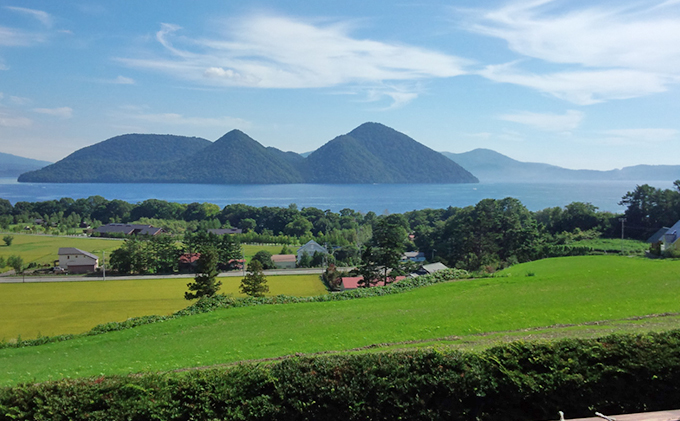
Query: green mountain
130,158
12,165
236,158
374,153
491,166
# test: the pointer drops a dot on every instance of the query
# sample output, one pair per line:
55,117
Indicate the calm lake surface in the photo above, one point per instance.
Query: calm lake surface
393,198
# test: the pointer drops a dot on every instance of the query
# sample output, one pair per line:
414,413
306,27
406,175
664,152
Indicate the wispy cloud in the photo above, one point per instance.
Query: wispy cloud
266,51
547,122
40,15
120,80
11,37
179,119
62,112
620,50
19,100
9,120
15,37
639,136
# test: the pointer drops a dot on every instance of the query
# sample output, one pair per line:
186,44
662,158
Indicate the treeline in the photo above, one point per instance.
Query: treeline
493,233
161,253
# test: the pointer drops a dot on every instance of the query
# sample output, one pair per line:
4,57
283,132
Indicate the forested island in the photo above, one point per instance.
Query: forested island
371,153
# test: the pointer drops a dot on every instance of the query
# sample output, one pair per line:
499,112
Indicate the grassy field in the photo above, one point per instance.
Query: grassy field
54,308
43,249
614,245
251,249
537,296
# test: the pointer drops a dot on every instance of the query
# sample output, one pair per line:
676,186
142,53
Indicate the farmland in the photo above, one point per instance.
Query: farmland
43,249
33,309
533,296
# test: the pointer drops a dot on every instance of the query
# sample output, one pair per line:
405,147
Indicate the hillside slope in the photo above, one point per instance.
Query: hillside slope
491,166
131,158
374,153
236,158
13,166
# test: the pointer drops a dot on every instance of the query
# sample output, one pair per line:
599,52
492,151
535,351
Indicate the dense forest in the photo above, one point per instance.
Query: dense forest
491,234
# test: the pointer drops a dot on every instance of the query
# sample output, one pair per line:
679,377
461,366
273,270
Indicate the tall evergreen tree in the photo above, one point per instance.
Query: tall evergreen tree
205,283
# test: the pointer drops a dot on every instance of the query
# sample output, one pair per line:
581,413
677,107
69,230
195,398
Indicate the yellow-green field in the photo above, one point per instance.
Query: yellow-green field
55,308
43,249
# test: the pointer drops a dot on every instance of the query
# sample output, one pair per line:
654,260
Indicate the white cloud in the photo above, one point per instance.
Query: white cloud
11,37
19,100
8,120
40,15
121,80
547,122
62,112
639,136
279,52
622,51
179,119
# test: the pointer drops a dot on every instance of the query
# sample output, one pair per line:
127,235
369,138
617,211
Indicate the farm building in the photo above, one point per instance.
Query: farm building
414,256
77,261
284,261
310,248
431,268
223,231
128,229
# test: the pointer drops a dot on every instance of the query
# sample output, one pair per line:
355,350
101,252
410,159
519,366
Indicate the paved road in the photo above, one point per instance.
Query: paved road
37,279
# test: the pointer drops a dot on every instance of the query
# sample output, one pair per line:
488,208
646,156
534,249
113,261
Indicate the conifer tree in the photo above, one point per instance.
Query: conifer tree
254,284
205,283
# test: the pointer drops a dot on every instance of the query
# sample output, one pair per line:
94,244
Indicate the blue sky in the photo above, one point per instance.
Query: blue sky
580,84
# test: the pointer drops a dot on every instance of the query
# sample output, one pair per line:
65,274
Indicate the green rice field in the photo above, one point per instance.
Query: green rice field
561,294
52,308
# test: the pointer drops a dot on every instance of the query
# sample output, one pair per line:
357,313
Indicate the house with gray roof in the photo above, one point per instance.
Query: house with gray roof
666,238
127,229
225,231
310,248
77,261
431,268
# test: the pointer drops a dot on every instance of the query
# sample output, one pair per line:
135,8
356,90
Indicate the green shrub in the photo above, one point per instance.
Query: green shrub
516,381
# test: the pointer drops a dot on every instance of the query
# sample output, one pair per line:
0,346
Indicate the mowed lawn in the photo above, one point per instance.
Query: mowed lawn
560,291
44,249
48,309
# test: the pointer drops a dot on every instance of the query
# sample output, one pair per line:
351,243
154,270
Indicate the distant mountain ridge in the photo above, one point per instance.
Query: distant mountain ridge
371,153
13,166
491,166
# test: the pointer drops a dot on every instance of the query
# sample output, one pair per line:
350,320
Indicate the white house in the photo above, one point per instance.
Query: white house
667,238
77,261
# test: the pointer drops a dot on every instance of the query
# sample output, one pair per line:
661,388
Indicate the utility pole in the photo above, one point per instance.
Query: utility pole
104,264
623,223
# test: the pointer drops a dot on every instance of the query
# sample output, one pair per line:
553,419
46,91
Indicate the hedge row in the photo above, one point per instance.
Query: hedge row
517,381
221,301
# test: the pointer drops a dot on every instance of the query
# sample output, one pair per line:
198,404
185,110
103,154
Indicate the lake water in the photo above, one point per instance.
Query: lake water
393,198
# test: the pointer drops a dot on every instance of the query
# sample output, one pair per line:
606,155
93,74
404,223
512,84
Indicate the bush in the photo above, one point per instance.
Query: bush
517,381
